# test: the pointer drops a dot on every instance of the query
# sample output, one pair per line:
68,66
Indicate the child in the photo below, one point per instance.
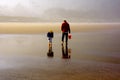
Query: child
50,35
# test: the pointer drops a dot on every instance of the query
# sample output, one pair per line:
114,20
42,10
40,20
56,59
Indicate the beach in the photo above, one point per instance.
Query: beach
94,52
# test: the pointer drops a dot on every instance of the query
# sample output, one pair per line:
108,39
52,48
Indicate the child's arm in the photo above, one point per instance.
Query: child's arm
48,34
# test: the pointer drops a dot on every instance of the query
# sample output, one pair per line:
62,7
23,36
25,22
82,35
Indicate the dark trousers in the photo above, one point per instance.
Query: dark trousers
65,34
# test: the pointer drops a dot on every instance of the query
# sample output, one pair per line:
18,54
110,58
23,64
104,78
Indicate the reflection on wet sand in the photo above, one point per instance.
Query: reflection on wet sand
50,52
66,53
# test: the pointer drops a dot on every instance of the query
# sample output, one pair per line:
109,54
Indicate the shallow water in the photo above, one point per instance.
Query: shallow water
92,55
102,43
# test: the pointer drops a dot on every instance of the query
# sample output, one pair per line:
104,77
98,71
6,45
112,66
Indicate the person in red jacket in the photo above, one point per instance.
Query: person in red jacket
65,28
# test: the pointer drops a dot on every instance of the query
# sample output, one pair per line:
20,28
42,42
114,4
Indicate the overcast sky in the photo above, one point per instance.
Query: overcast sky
84,9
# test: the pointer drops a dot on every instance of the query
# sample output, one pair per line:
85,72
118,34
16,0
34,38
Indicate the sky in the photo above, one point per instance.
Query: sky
55,10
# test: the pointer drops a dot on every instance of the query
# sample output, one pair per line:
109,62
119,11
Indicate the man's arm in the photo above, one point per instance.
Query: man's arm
69,28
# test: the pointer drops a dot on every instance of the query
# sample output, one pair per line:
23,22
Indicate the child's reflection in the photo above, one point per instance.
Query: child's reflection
50,53
66,53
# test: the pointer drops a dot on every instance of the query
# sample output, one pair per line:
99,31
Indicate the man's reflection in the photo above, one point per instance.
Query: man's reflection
50,53
66,53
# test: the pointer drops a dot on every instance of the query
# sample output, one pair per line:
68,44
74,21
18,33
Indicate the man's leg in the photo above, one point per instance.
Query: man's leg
63,34
66,37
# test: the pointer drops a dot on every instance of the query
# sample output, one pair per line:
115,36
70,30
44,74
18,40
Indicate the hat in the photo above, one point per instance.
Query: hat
51,31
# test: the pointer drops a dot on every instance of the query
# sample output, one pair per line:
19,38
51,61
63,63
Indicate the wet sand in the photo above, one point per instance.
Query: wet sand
94,55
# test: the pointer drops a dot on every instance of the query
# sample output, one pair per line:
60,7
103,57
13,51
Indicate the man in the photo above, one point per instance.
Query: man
65,28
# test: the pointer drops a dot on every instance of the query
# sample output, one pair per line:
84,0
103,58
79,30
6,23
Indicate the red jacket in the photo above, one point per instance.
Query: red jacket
65,27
